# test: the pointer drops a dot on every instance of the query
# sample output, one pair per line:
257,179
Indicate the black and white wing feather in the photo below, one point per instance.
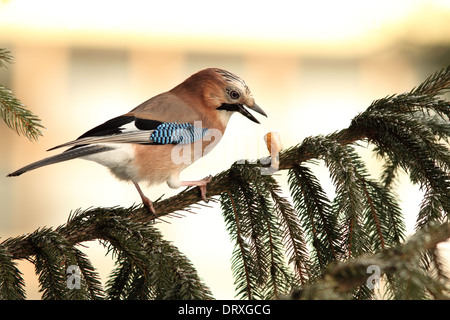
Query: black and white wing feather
122,129
129,129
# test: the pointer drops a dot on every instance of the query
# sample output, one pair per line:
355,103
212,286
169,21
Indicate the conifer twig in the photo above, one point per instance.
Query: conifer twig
13,112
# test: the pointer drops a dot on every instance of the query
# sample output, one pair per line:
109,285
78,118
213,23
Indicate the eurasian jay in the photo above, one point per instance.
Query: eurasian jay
159,138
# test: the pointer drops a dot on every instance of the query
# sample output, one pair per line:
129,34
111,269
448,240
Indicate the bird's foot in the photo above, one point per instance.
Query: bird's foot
202,187
201,184
149,205
145,200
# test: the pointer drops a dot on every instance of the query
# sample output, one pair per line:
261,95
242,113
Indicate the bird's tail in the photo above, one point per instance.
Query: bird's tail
66,155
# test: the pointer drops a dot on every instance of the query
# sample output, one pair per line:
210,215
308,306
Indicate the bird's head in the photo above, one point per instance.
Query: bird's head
225,92
236,96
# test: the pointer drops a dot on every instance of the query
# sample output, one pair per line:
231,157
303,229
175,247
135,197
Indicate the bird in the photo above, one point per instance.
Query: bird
165,134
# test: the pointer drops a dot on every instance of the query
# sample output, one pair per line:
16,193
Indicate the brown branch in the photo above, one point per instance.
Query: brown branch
181,202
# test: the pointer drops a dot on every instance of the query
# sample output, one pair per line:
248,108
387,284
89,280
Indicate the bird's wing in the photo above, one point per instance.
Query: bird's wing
64,156
161,120
122,129
166,107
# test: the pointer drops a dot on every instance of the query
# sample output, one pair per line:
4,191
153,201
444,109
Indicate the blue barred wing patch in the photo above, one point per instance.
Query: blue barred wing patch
175,133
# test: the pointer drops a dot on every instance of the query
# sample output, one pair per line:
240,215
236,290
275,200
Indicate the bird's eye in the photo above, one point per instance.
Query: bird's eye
234,95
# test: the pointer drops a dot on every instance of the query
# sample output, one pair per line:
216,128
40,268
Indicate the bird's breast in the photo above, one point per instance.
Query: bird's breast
161,162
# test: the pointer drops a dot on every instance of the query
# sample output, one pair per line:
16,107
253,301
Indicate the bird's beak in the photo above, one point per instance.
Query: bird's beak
242,110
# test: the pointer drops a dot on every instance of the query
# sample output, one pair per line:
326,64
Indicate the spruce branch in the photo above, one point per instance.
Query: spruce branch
399,263
314,209
257,261
293,235
12,286
13,112
5,58
436,84
240,265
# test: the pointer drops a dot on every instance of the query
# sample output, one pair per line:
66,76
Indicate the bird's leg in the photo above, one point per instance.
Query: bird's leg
145,200
201,184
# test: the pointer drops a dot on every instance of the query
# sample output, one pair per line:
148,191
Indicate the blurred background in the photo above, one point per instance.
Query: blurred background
311,65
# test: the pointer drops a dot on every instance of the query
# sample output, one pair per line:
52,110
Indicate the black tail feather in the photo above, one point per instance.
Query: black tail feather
66,155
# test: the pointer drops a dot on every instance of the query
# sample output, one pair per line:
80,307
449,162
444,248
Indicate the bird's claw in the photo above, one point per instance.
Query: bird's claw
149,206
202,187
201,184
